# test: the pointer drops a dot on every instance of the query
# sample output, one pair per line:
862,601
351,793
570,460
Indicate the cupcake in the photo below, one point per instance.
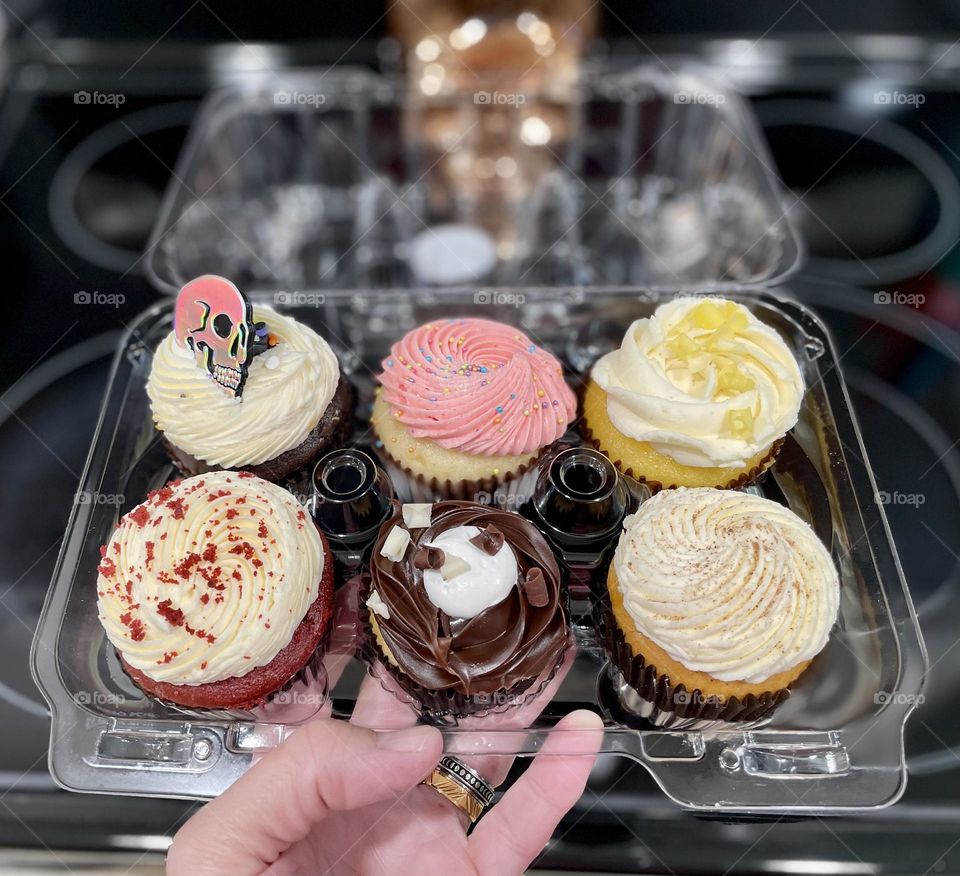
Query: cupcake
467,404
216,591
700,394
241,387
718,601
463,607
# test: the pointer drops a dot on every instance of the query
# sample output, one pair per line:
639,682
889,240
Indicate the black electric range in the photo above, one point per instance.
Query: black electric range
874,189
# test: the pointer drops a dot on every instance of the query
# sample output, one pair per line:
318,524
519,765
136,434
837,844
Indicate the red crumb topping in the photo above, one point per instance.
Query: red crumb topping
140,515
107,568
185,566
246,474
231,513
173,616
204,598
149,546
212,577
135,625
244,548
178,508
159,496
210,553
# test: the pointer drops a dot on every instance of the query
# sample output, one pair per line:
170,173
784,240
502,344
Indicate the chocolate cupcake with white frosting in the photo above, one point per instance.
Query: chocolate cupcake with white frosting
240,387
463,607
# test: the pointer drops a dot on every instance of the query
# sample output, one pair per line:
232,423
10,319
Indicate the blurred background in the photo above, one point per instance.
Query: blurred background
525,123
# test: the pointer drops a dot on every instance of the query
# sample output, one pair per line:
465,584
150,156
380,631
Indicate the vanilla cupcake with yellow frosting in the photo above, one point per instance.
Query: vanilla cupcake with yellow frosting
240,387
718,602
700,394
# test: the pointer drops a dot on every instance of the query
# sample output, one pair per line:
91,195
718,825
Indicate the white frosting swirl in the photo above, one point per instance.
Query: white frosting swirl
287,390
489,580
236,555
703,381
727,583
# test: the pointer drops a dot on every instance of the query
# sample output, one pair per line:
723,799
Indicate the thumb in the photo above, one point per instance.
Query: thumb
325,765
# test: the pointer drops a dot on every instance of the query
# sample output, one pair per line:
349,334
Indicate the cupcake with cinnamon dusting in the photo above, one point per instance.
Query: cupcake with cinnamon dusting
463,606
718,602
466,404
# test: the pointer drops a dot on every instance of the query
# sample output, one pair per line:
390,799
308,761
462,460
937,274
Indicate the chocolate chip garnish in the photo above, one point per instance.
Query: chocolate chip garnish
429,558
535,588
489,540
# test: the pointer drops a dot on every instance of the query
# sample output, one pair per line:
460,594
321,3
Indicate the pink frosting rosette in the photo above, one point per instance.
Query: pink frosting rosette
477,386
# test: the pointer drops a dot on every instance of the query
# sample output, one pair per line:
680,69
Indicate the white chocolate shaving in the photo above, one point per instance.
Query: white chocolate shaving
377,605
417,515
395,544
453,566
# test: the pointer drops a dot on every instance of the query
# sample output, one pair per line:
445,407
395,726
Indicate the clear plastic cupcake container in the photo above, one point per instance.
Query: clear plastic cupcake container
323,182
835,745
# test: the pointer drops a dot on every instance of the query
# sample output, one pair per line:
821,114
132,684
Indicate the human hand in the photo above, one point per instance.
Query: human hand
336,797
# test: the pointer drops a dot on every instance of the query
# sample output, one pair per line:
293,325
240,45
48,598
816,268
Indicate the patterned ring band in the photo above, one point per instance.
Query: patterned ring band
461,785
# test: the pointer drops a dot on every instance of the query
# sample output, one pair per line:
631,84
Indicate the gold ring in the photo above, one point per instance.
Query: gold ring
464,787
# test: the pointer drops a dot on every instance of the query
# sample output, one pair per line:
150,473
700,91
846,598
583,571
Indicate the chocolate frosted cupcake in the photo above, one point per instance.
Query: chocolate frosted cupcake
718,601
216,591
700,394
467,404
241,387
464,607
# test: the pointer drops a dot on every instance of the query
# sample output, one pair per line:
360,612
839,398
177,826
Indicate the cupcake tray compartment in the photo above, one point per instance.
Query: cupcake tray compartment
336,180
836,744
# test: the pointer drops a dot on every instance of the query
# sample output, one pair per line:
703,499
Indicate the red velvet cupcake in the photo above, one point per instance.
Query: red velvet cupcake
216,591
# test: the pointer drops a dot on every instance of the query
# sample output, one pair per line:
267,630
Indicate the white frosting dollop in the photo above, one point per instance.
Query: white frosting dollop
703,381
286,393
209,578
727,583
488,581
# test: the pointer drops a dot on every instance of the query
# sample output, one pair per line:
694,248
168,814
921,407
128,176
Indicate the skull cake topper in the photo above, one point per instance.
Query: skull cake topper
215,321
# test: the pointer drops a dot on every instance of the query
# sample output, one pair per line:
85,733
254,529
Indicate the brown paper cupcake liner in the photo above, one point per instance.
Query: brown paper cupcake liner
669,705
444,706
431,489
745,479
300,473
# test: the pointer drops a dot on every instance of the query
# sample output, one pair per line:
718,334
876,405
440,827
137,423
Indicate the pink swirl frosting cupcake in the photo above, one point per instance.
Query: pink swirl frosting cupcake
470,398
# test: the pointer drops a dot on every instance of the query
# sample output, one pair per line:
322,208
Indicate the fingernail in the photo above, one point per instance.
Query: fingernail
411,740
583,719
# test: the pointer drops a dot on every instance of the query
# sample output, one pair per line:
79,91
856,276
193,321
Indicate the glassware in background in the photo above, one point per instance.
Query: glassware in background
492,110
